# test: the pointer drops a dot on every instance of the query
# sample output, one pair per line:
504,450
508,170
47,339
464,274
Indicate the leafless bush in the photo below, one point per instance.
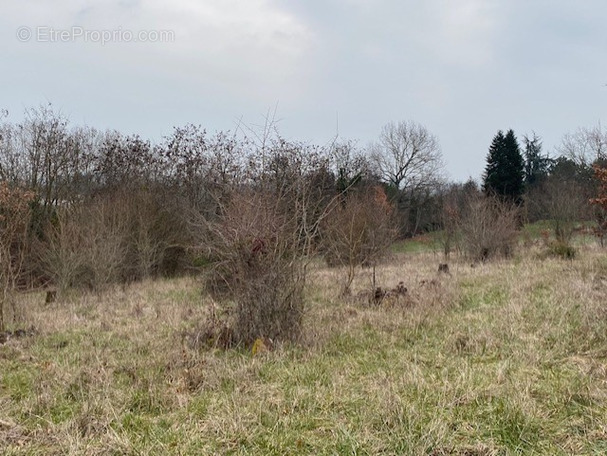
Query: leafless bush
257,268
450,219
454,201
358,231
60,256
86,245
261,237
116,236
600,202
15,214
488,228
157,229
565,203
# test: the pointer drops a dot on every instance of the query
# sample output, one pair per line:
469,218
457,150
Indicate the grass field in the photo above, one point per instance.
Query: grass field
504,358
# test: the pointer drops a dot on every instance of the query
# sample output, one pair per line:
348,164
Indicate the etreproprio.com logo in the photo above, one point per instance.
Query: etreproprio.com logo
46,34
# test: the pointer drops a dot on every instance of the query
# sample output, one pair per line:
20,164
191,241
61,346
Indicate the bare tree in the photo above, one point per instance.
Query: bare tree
45,155
125,161
585,146
407,156
203,169
45,140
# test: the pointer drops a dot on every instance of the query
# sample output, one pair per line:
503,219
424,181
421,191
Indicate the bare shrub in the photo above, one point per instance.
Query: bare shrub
60,256
104,240
454,200
157,232
561,249
86,245
15,215
600,202
358,231
565,204
257,269
488,228
450,213
118,236
260,239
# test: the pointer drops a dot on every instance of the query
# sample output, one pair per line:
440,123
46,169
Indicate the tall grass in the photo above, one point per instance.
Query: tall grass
507,357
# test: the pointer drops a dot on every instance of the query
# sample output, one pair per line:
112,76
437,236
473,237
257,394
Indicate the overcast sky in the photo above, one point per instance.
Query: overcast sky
462,68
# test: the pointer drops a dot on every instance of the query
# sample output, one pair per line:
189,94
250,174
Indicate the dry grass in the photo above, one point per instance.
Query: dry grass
503,358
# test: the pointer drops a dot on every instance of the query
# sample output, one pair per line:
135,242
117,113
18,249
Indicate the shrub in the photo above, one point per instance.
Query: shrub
257,270
86,245
114,236
563,202
15,215
358,231
600,202
488,228
562,249
157,233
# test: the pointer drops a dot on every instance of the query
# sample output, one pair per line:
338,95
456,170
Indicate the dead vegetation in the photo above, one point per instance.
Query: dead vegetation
15,217
488,228
358,232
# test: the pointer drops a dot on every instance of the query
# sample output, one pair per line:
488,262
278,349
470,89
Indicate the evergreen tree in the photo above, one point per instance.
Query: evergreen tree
537,166
505,171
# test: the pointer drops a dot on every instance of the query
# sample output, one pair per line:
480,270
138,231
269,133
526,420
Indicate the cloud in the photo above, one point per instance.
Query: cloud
228,25
466,31
253,48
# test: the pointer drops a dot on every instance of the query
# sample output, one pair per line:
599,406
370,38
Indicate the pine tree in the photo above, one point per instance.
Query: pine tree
537,166
505,171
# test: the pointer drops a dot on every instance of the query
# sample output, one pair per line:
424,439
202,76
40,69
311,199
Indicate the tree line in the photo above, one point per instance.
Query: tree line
559,189
82,208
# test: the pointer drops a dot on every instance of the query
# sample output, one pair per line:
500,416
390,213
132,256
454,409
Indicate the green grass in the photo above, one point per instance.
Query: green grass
534,230
431,242
428,242
504,358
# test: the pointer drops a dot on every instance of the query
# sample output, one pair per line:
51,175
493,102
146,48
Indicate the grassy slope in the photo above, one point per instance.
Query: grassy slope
505,358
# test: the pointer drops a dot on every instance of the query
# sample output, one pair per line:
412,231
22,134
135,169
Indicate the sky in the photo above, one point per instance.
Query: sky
462,68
